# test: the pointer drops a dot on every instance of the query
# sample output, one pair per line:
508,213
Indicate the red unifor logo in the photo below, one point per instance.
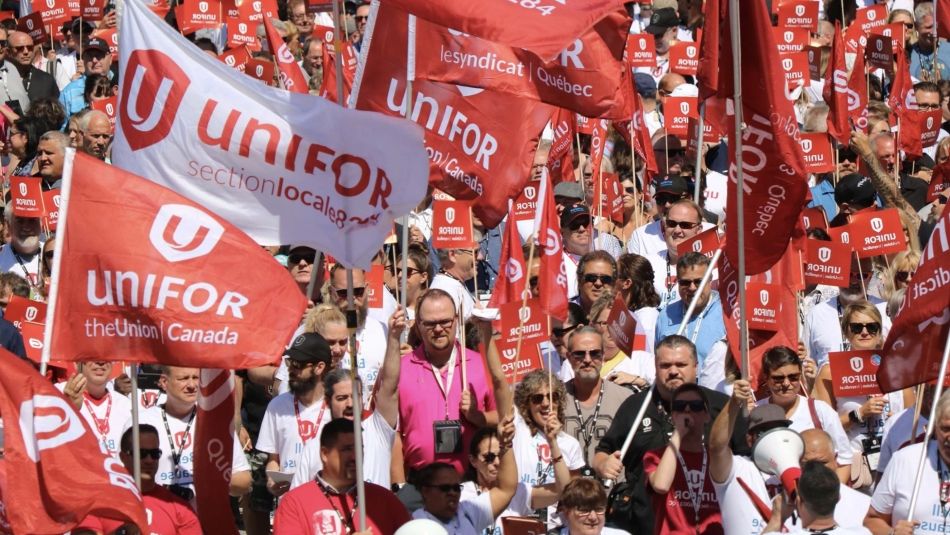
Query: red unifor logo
154,88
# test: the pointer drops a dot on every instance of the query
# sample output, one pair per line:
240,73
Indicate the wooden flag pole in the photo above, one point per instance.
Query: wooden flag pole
734,30
136,440
699,151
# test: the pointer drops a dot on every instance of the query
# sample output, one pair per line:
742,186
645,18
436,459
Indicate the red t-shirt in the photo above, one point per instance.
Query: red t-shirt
167,514
308,510
673,512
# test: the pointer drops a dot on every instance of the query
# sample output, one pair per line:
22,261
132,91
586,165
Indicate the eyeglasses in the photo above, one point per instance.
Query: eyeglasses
410,271
594,354
358,292
578,223
630,189
903,276
928,106
154,453
592,278
538,399
780,379
689,283
15,133
691,405
909,25
295,258
489,457
857,328
447,488
583,511
685,225
432,324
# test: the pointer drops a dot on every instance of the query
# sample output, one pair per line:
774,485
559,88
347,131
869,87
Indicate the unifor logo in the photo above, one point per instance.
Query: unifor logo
50,4
110,109
230,60
47,422
690,51
697,246
845,237
872,15
877,224
513,270
284,55
257,7
154,87
930,122
29,24
684,108
824,254
22,187
552,243
789,37
530,192
879,45
203,7
643,44
242,28
31,313
260,71
450,215
800,10
857,364
524,314
806,145
764,297
787,64
181,232
509,354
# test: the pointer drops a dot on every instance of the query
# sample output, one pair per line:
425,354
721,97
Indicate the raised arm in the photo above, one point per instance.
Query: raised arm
503,394
387,393
507,470
549,494
720,453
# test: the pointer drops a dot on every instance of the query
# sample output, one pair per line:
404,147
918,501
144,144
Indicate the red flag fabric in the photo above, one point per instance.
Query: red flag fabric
642,143
915,343
60,473
835,92
560,162
858,93
163,287
544,27
328,88
510,284
291,75
942,13
474,153
902,97
585,77
552,279
774,176
598,141
715,14
212,464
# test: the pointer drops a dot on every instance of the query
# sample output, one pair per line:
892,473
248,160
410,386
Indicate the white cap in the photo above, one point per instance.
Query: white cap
685,90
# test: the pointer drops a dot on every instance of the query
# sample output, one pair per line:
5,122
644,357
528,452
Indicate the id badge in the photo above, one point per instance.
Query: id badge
448,436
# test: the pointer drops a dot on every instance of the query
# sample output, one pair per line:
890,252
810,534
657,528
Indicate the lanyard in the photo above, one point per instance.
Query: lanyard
587,425
29,276
446,388
699,322
346,518
102,424
543,470
695,491
304,437
944,474
176,456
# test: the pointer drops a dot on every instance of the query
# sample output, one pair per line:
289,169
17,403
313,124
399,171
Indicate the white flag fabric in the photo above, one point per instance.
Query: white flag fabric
283,167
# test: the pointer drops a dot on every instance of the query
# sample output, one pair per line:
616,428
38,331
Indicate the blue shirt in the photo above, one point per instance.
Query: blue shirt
71,97
823,195
704,329
920,61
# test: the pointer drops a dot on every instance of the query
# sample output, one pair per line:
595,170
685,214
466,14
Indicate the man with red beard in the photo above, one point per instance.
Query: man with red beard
106,412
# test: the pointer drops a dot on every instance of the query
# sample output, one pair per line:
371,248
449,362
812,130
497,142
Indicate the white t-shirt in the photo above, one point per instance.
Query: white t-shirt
739,514
646,326
837,531
897,434
282,434
823,325
472,516
184,436
850,511
712,374
533,457
569,268
520,503
378,440
893,492
801,420
9,263
873,426
383,314
370,351
457,290
114,411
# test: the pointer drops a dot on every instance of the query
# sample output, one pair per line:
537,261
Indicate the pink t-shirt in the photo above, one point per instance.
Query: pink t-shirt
421,402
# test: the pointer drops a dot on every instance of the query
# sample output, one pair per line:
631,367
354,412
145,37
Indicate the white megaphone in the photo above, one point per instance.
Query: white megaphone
421,526
777,452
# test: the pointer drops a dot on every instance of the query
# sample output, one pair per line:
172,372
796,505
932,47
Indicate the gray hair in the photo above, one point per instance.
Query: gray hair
58,137
586,329
88,117
922,10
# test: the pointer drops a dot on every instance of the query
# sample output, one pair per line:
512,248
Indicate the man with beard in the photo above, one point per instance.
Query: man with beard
294,418
96,134
22,254
107,413
329,504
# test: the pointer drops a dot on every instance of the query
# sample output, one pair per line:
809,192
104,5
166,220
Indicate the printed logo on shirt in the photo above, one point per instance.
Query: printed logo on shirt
327,523
307,430
182,440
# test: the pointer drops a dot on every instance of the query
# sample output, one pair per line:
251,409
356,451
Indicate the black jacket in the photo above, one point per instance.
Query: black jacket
42,85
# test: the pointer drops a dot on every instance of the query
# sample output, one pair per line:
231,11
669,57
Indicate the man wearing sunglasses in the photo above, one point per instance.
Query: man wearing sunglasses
24,78
706,326
300,261
106,412
596,273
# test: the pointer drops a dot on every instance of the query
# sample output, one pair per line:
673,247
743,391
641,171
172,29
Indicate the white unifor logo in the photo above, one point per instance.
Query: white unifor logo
229,60
800,10
29,24
622,320
31,313
513,270
50,4
690,51
764,297
789,36
260,71
23,189
787,64
450,215
203,7
930,122
552,244
806,145
697,246
509,354
256,6
530,192
824,254
872,14
57,199
180,232
242,28
877,224
110,109
857,364
47,422
643,44
284,55
845,237
524,314
879,45
684,108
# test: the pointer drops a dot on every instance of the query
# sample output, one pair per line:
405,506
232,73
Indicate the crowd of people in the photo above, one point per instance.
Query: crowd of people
449,444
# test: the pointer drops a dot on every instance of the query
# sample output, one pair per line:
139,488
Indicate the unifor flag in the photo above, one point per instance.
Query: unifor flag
214,434
156,281
552,277
774,177
284,168
544,27
835,92
915,343
560,162
512,281
475,152
328,86
858,93
291,75
585,77
57,471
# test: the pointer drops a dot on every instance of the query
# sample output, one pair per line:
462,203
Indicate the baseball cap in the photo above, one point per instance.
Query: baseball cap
662,20
646,84
672,184
96,44
856,190
309,347
770,415
571,190
665,4
573,212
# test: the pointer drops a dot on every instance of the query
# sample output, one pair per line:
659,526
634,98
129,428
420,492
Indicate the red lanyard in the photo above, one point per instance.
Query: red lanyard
304,436
102,424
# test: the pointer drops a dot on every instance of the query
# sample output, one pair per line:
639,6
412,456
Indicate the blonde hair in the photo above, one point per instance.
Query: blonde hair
322,315
862,307
904,261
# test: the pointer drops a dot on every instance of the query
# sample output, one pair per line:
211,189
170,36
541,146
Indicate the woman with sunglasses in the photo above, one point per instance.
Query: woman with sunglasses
900,273
583,508
418,275
862,417
23,142
541,447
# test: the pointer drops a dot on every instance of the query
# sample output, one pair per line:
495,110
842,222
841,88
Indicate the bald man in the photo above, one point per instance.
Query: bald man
96,133
853,505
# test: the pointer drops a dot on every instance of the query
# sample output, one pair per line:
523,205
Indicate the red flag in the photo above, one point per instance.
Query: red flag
61,473
642,142
510,285
561,157
162,288
858,93
328,88
939,181
916,340
552,279
213,463
942,13
544,27
715,14
585,78
774,176
835,92
474,153
291,75
598,139
902,97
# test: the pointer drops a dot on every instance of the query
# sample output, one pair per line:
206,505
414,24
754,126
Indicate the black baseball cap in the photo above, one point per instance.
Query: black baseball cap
855,190
309,347
662,20
573,212
96,44
674,184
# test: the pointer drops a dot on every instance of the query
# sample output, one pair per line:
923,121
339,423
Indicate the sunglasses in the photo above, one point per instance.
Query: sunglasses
21,48
691,405
489,457
410,271
606,280
358,292
538,399
630,189
857,328
432,324
447,488
666,199
903,276
685,225
594,354
578,223
360,18
295,258
48,256
154,453
533,282
689,283
780,379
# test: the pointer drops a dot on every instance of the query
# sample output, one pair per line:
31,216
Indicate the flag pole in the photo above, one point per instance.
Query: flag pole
57,259
136,441
930,428
740,217
410,77
699,150
686,317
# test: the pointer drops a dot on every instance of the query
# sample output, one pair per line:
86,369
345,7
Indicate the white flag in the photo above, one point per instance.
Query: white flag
284,168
